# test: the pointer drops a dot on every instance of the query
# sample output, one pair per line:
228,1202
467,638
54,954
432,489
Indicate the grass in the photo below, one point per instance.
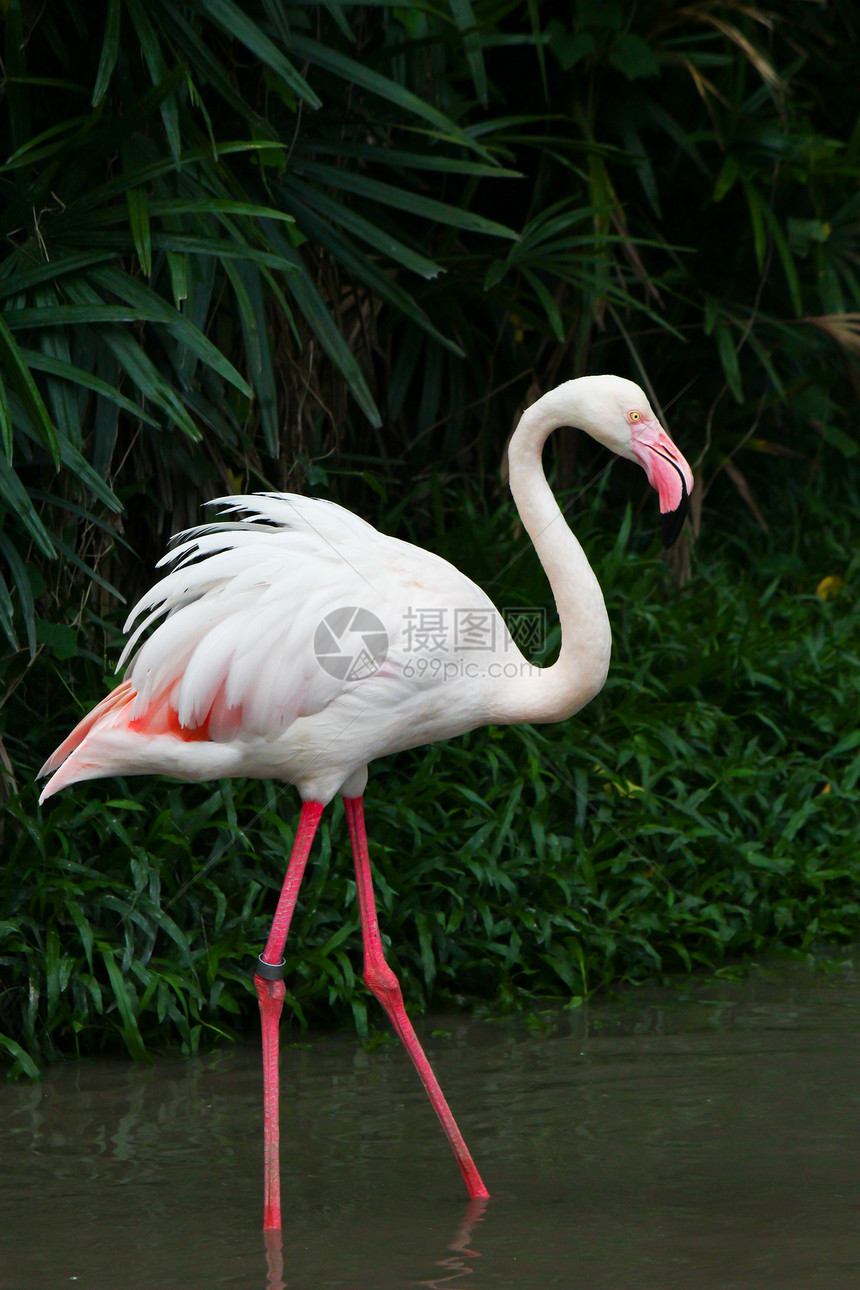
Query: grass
702,807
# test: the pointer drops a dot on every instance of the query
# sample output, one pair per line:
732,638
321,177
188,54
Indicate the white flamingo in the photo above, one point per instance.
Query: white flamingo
287,649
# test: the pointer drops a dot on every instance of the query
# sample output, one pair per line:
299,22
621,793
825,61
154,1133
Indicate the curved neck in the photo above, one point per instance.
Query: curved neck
554,693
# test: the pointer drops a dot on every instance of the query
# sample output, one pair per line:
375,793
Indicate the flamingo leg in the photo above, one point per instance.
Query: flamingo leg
269,983
382,982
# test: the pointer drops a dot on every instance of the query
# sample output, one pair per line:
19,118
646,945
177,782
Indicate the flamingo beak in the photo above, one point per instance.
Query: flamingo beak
668,472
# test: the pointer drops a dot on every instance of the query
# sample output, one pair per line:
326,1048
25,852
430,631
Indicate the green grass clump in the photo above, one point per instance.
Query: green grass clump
703,805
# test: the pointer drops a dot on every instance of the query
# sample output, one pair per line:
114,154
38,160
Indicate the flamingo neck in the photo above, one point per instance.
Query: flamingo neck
556,692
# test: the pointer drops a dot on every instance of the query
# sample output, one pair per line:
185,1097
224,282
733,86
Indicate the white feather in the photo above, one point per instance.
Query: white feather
243,601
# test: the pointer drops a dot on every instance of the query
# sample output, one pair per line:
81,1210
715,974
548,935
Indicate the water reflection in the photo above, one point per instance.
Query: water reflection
273,1243
457,1264
707,1141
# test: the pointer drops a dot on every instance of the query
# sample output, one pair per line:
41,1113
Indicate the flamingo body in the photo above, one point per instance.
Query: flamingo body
230,682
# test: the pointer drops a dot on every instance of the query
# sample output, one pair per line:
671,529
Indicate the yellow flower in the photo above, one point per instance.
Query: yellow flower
829,586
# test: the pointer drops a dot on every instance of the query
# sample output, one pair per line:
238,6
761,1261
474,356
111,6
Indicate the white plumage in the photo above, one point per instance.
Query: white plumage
233,653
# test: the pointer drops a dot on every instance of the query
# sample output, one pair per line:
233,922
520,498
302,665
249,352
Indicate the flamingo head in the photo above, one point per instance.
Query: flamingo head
666,469
622,418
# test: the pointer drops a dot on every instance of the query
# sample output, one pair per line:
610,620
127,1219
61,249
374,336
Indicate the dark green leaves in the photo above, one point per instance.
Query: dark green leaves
110,51
150,279
338,248
235,22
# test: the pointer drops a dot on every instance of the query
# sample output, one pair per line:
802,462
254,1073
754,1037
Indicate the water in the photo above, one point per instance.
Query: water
707,1142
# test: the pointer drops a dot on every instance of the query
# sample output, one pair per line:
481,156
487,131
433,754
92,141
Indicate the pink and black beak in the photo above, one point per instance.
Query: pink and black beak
668,472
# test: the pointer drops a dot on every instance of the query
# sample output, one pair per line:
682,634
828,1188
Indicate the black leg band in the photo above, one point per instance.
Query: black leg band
269,971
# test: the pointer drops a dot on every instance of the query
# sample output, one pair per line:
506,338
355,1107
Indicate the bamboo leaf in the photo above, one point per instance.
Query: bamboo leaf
208,70
146,300
81,469
177,264
787,259
138,218
96,314
725,180
729,359
231,19
336,11
15,280
85,513
146,173
79,376
149,380
216,206
110,51
71,557
34,149
306,295
6,432
357,73
467,24
553,312
399,158
221,247
366,230
400,198
63,398
765,360
14,495
139,366
19,1055
382,284
23,588
14,73
7,615
17,377
130,1029
151,49
539,39
245,279
78,917
756,207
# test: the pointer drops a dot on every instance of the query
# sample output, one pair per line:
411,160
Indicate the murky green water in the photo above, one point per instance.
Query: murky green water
661,1143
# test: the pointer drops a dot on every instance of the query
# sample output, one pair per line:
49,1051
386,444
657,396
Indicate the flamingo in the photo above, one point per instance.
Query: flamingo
286,648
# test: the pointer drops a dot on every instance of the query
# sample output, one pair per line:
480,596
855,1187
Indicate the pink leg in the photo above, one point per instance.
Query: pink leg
382,982
270,992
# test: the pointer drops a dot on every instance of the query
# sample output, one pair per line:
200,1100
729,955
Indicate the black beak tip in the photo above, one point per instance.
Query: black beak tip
673,521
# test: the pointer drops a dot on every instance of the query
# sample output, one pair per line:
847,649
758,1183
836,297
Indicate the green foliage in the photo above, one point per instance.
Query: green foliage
238,239
235,238
157,189
702,806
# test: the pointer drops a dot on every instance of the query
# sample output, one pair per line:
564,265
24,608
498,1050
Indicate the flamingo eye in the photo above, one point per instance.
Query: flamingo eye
634,416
